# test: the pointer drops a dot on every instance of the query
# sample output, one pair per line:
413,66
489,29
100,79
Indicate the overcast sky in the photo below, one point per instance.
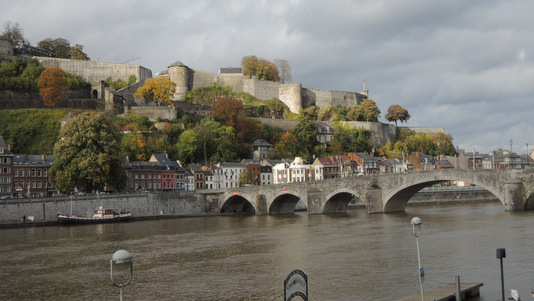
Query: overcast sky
465,66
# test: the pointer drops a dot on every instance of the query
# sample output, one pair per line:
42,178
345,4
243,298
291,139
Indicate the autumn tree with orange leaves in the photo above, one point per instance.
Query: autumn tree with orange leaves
52,85
159,90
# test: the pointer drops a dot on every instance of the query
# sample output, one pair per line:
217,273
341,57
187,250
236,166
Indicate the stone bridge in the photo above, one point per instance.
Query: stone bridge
380,193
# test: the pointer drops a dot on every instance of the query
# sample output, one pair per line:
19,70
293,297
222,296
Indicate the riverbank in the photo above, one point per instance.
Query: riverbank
414,202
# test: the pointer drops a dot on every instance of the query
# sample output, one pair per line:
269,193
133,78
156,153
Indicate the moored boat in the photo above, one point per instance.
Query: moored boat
99,216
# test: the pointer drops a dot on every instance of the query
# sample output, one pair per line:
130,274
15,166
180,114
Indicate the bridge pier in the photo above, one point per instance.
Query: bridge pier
513,196
315,203
374,204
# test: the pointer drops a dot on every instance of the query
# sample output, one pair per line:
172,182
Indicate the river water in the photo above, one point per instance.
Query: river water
353,256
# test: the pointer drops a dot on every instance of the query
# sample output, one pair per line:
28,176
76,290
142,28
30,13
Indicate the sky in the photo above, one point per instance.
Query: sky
465,66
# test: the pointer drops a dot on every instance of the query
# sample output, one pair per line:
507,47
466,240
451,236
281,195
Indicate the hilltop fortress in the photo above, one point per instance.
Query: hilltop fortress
293,94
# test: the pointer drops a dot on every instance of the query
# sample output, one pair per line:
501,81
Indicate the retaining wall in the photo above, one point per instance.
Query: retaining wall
141,205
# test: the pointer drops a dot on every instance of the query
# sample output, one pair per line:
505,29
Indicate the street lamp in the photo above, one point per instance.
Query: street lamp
416,228
501,253
123,261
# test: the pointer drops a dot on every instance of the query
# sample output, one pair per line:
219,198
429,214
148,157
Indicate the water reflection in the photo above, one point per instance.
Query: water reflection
352,256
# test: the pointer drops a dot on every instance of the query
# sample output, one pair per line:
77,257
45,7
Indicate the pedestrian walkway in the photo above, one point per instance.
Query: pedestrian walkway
447,292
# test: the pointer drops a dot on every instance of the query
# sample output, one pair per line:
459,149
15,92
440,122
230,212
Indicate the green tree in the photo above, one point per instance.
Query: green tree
261,69
52,86
76,53
246,176
87,155
159,90
306,133
369,109
347,139
396,113
59,47
188,147
287,147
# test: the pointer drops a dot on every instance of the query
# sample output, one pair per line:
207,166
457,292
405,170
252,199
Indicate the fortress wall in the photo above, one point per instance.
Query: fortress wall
201,79
291,95
380,132
153,112
94,72
426,130
284,124
6,47
327,98
261,89
233,80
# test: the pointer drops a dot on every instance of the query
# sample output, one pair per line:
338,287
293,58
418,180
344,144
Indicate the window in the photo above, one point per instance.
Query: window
5,170
33,184
16,172
39,172
33,172
39,184
45,173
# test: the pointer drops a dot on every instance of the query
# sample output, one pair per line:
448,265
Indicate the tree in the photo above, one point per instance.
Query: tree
59,47
226,110
246,176
13,32
76,53
287,147
52,85
306,133
87,155
369,110
285,70
259,68
396,112
249,65
266,70
159,90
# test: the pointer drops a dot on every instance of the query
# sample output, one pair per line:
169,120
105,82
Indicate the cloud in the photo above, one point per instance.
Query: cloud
462,65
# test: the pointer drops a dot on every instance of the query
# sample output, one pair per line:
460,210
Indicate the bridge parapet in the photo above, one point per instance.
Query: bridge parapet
380,193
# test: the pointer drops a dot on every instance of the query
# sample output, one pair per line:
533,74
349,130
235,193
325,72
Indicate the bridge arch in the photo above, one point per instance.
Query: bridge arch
338,200
237,204
284,203
395,199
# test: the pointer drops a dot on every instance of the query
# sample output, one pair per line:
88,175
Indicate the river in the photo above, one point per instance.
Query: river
353,256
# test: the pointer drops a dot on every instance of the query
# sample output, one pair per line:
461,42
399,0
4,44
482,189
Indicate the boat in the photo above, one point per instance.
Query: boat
99,216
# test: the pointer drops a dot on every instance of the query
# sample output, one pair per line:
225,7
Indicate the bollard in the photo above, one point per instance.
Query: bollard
458,290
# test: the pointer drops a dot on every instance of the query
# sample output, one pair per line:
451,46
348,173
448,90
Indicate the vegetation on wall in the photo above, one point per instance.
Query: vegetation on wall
31,131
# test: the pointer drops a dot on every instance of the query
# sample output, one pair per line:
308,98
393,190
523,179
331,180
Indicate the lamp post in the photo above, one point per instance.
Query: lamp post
122,260
416,228
501,253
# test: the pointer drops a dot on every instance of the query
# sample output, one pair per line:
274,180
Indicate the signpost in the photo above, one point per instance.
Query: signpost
296,284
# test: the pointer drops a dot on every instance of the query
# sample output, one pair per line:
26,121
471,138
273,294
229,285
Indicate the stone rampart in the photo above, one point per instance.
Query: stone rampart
6,47
199,110
261,89
32,100
291,95
202,79
141,205
330,98
153,112
94,72
380,132
426,130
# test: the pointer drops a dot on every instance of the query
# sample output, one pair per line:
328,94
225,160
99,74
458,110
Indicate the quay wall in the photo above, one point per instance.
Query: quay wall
452,196
140,204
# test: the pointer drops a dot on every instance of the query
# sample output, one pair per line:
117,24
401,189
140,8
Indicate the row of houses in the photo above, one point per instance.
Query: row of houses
23,175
